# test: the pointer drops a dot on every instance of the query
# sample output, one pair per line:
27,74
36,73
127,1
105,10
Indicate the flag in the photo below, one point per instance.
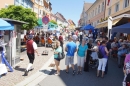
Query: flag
108,2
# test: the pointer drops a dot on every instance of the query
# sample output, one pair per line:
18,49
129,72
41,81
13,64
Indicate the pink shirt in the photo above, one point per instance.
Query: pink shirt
127,59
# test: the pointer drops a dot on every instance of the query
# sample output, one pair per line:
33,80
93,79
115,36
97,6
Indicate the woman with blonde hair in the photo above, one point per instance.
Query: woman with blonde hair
81,56
58,49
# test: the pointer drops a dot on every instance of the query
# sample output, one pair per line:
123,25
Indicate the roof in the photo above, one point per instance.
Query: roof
71,22
14,21
63,18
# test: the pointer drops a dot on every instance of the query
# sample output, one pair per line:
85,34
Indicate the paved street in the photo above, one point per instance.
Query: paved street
113,78
12,78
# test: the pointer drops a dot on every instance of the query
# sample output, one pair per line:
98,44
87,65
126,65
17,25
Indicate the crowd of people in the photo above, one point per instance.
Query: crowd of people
118,49
88,46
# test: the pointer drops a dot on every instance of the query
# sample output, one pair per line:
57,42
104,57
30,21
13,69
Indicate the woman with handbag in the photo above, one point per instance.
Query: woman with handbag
58,50
81,56
102,58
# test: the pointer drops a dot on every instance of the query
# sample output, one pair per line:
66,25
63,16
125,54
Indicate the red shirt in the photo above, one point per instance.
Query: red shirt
60,38
30,46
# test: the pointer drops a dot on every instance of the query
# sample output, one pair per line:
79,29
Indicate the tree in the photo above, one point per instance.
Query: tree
54,22
20,13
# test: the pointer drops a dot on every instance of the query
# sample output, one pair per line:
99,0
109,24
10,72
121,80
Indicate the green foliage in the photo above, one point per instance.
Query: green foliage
54,22
20,13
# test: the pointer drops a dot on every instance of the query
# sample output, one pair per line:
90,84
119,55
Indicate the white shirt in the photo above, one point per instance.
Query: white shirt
81,33
74,37
90,35
34,46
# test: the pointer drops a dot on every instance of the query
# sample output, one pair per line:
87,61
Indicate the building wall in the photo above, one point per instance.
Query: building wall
96,12
24,3
5,3
123,8
40,9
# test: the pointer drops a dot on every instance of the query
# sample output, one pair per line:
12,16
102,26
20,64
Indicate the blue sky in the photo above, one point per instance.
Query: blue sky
70,9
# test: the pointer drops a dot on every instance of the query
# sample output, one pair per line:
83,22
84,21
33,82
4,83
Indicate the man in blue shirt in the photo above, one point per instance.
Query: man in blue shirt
71,48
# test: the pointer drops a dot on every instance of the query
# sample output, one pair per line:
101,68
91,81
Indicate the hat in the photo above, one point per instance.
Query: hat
30,36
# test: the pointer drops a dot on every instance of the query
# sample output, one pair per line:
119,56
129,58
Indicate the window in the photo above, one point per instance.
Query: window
126,3
93,13
109,11
96,11
35,9
6,5
99,9
22,1
37,1
17,0
103,6
117,7
97,21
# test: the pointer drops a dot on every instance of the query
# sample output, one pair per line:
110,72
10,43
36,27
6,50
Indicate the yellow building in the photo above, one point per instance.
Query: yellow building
41,7
117,7
119,10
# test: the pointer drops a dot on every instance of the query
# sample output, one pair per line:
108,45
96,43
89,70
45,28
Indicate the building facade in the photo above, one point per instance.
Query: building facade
6,3
72,25
61,20
117,7
24,3
83,16
119,10
96,13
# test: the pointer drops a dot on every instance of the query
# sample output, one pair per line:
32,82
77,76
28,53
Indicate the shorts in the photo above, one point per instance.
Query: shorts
69,60
80,61
57,59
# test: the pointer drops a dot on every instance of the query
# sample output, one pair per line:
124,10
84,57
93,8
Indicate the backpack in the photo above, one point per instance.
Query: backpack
100,55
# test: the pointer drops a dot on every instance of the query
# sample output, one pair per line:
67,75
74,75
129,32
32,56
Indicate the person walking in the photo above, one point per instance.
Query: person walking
103,60
56,59
61,40
74,37
80,36
71,48
31,49
88,56
81,56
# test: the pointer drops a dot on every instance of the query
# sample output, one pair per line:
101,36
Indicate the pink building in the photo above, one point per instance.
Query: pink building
6,3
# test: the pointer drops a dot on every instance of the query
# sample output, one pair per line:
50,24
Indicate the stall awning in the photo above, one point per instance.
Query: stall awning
105,23
40,22
4,25
125,28
115,20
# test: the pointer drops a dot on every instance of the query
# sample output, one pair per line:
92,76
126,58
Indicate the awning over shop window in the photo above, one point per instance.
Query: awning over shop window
4,25
105,23
121,19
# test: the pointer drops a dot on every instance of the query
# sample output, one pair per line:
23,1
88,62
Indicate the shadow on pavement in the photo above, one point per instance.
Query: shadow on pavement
20,69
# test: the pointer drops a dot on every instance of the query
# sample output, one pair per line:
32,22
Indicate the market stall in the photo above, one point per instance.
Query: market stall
3,61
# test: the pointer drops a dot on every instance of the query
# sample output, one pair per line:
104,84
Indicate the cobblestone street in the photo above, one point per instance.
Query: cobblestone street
12,78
